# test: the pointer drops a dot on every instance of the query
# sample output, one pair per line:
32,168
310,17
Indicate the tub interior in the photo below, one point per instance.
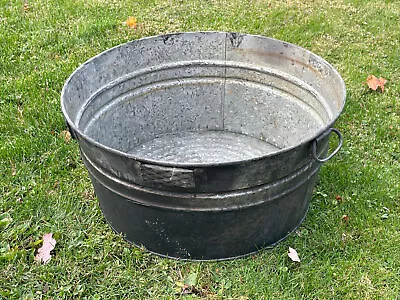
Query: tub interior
224,106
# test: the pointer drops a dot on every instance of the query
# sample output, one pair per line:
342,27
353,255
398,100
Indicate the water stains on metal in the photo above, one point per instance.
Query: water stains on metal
204,145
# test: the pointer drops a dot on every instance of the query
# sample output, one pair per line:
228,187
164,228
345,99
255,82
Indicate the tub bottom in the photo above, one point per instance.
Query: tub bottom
204,147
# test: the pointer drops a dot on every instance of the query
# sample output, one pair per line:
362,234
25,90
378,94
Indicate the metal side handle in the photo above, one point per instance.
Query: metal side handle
315,142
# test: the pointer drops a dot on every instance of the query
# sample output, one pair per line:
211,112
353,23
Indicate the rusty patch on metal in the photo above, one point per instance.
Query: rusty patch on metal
314,66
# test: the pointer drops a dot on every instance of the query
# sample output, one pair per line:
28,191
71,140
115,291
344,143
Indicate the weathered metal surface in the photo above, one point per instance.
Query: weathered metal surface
204,145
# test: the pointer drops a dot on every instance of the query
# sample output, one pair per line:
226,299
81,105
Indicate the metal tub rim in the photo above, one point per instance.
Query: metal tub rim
77,133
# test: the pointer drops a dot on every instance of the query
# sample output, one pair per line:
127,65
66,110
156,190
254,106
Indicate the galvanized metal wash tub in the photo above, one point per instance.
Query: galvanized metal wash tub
204,145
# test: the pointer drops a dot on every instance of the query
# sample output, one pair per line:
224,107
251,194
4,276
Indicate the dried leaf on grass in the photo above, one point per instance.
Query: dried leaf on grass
292,253
345,218
374,83
13,170
131,22
43,254
66,135
26,6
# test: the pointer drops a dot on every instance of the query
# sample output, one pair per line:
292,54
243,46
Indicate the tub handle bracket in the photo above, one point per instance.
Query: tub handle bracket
315,142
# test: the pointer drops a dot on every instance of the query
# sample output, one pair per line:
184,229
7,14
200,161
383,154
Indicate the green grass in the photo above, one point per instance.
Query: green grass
44,186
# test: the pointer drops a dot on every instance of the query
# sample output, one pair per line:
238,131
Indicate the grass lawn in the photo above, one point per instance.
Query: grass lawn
44,186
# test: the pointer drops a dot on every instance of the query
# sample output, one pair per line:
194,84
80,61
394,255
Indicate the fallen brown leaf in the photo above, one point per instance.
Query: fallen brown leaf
374,83
66,135
131,22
